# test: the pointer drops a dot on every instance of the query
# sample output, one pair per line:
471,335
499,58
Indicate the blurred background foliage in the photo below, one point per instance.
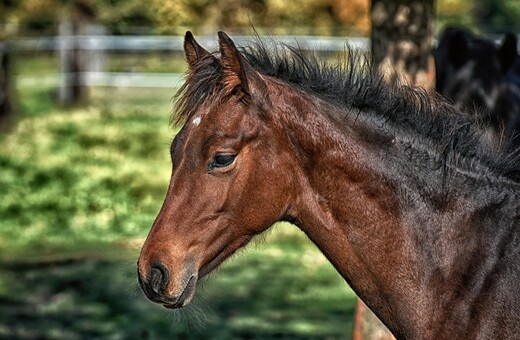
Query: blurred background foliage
327,17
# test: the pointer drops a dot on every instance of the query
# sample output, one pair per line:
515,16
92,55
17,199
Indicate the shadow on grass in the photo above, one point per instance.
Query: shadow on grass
264,294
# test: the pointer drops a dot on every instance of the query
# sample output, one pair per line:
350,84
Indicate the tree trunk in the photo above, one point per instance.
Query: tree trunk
401,39
6,94
77,22
72,89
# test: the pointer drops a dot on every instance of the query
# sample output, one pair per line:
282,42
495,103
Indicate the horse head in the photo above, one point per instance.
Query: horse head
229,181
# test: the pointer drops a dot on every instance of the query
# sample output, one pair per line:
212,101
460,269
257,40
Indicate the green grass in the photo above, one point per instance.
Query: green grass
35,64
283,288
87,175
150,62
80,189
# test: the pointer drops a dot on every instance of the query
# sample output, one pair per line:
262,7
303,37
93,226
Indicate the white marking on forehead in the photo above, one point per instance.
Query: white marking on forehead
196,121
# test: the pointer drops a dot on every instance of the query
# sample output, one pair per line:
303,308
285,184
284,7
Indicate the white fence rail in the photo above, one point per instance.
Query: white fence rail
95,47
110,79
175,43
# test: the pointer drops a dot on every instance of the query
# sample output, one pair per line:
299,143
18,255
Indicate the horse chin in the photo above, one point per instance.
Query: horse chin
223,254
186,295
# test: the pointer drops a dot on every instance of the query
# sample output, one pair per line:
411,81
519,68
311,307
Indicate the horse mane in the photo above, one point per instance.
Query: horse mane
352,85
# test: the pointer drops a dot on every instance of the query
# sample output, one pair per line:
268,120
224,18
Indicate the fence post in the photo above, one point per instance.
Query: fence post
74,52
6,94
95,57
65,47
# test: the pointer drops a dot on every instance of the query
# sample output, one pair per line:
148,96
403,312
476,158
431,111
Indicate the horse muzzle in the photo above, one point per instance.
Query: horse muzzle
157,285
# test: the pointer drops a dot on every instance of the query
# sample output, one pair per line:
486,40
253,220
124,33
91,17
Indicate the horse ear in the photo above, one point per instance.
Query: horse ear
193,51
458,49
238,74
235,67
507,52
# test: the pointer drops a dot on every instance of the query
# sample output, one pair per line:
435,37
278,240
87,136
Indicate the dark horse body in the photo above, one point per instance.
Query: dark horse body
479,77
398,190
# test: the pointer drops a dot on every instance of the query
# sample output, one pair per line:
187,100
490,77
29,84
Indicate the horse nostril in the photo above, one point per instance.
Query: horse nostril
159,277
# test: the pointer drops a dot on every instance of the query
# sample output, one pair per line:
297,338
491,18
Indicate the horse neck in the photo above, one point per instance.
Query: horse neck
352,205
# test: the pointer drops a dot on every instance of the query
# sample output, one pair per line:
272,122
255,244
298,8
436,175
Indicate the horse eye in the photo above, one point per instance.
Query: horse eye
222,160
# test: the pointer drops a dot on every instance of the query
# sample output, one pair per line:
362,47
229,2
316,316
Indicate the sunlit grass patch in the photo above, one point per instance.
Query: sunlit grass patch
83,175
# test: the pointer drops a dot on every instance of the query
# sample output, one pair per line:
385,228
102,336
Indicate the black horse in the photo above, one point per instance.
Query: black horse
479,77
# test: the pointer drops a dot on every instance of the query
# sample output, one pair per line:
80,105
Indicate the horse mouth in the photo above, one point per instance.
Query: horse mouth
221,255
213,263
186,295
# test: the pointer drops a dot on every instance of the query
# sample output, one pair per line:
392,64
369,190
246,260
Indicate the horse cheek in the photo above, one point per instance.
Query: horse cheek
269,201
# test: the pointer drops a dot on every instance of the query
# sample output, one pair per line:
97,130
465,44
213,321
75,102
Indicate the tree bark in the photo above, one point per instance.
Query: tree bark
401,38
72,90
73,56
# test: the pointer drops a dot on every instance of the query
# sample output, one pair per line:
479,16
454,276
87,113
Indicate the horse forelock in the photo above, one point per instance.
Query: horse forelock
203,81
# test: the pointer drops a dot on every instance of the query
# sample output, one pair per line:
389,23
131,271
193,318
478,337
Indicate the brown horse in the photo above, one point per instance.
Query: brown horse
396,188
